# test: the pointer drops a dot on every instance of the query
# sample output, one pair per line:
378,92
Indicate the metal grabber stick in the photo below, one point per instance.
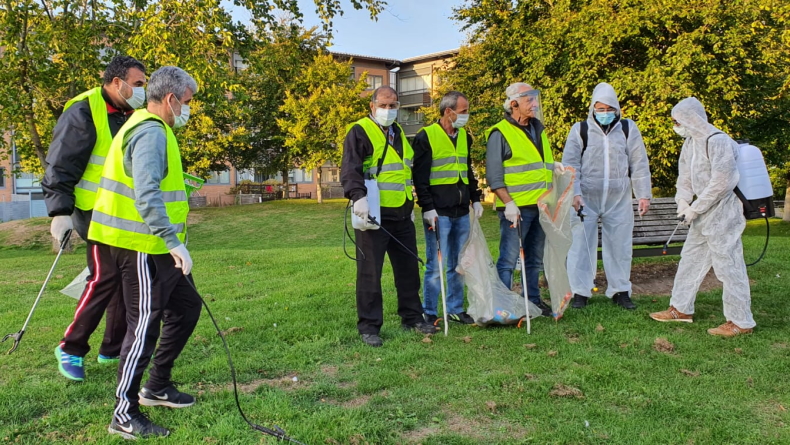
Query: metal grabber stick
441,272
666,244
523,274
17,337
593,266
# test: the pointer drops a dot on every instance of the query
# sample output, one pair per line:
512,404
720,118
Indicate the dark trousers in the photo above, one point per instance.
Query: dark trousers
102,294
154,292
374,244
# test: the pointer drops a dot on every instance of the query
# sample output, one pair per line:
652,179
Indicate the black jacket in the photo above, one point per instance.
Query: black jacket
72,144
356,147
448,199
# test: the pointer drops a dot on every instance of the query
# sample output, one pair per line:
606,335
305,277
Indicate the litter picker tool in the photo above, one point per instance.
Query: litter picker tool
17,337
441,272
593,267
666,244
523,274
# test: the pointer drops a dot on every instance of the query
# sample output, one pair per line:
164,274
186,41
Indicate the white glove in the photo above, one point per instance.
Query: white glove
412,216
60,225
478,208
361,208
682,206
512,213
183,260
558,168
430,218
688,215
577,202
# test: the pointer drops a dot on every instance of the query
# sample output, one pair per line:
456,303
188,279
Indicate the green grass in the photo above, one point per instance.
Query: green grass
277,271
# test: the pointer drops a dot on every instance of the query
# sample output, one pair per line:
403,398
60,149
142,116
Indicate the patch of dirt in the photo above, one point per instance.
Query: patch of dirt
26,232
286,383
560,390
329,371
663,345
690,373
356,402
481,429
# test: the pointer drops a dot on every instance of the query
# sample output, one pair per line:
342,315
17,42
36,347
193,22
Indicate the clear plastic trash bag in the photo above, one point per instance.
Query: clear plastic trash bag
77,285
555,208
490,302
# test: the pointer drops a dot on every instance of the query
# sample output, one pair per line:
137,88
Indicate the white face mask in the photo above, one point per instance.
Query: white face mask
385,117
460,120
681,131
138,97
181,120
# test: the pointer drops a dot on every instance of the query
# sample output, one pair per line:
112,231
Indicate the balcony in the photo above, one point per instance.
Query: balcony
412,98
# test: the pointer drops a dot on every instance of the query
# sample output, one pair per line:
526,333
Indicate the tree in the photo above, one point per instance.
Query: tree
54,49
324,102
654,54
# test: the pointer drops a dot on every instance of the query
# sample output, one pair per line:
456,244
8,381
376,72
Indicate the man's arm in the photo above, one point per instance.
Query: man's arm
474,186
638,164
497,152
572,156
724,174
354,154
421,172
146,157
72,143
683,183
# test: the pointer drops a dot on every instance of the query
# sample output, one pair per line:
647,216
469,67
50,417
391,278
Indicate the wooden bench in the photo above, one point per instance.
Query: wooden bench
654,229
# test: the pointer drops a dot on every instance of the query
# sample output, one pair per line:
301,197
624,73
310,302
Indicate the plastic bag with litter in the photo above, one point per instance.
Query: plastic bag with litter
490,302
554,208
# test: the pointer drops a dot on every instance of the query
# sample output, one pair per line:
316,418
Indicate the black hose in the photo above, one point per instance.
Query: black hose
767,237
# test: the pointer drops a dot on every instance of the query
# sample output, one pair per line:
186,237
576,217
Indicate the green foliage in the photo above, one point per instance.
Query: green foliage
731,55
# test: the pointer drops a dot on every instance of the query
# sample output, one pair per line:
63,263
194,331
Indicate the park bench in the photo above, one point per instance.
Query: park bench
654,229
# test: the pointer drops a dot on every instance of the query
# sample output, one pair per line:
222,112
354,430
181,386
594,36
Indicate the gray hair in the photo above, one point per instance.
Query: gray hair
511,91
450,100
383,88
170,79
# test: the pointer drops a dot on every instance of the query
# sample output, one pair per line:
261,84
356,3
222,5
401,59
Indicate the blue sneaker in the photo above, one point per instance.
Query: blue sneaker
70,365
108,359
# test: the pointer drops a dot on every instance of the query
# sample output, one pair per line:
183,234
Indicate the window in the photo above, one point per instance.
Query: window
374,82
300,176
219,178
414,84
410,116
353,74
2,177
331,174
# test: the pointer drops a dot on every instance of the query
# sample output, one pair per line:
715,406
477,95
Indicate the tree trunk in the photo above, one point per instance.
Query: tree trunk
285,183
786,209
318,194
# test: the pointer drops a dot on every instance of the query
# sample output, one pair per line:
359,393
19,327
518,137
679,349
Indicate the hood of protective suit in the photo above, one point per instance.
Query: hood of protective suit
604,93
690,113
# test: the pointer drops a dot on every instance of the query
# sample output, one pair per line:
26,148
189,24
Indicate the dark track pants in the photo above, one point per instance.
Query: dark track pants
374,245
154,292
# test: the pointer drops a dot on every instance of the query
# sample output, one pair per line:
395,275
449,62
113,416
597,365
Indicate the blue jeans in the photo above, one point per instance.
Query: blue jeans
533,240
453,233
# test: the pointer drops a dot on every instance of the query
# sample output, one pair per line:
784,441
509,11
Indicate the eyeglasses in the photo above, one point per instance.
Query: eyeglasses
676,123
605,110
390,106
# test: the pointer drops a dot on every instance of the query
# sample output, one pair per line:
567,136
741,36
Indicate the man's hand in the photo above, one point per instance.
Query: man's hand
688,215
512,213
430,218
577,202
478,209
182,258
644,206
60,225
558,168
361,208
682,206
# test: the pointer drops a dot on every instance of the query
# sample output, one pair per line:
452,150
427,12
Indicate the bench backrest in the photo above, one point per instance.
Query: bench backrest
655,227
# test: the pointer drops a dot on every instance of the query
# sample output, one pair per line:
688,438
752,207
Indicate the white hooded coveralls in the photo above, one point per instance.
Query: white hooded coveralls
602,180
714,238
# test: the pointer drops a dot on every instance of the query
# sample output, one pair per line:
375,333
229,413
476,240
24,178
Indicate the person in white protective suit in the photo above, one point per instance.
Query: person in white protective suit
707,169
613,163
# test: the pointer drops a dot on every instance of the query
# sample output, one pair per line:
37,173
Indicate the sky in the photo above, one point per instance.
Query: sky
407,28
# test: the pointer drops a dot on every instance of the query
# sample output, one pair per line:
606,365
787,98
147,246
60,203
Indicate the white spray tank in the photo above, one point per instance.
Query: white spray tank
754,187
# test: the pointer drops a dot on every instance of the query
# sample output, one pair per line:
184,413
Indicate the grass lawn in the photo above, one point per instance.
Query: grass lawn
278,282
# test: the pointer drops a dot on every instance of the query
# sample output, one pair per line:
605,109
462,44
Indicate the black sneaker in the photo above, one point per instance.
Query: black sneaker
137,427
579,301
170,397
372,340
421,327
431,319
462,318
624,300
545,308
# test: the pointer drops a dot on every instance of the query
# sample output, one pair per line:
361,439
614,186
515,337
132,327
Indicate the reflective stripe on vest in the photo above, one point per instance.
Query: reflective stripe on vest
449,162
394,179
527,175
85,190
116,221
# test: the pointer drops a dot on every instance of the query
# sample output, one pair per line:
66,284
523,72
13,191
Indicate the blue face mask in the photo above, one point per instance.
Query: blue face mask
605,118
